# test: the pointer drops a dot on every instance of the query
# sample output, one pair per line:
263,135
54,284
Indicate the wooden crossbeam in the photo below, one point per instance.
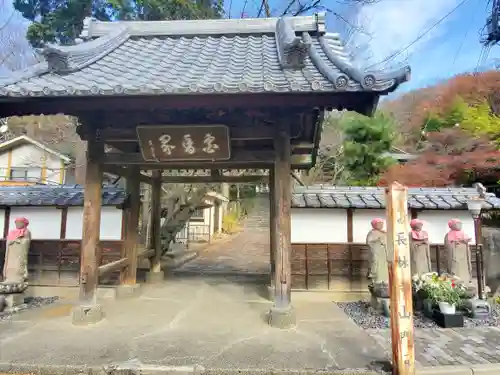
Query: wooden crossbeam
127,173
239,159
214,179
111,267
237,133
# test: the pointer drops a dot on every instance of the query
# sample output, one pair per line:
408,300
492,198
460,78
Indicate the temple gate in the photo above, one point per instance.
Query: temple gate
204,94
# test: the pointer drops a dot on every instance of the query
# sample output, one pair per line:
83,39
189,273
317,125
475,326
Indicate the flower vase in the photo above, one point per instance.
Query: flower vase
447,308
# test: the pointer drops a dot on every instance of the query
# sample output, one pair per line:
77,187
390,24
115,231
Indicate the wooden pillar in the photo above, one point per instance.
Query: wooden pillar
128,275
398,245
155,274
89,311
282,314
273,227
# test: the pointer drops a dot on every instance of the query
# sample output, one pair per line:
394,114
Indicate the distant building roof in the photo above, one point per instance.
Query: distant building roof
227,56
63,195
23,139
373,197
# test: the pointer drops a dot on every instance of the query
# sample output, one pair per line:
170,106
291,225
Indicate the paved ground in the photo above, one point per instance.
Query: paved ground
458,346
186,322
247,252
196,324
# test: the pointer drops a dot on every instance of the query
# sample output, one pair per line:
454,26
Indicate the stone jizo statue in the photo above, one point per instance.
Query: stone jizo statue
457,250
377,243
15,269
419,248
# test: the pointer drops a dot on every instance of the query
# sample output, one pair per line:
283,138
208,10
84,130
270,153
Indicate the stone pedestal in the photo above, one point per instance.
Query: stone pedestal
381,305
282,317
128,291
155,277
478,309
86,314
13,300
270,292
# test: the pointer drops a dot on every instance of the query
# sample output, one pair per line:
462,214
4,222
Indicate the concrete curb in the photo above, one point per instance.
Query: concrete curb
139,369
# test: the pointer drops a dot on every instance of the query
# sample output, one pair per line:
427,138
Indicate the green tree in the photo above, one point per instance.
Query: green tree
367,140
455,115
481,121
457,112
61,21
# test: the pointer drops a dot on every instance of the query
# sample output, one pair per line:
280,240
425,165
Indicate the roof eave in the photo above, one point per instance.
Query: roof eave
23,139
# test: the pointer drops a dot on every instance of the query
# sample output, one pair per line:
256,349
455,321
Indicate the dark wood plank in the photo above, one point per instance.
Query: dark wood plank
283,277
91,221
273,221
131,220
155,236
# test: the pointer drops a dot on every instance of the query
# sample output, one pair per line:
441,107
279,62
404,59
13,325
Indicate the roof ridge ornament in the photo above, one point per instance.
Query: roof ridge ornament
292,50
68,59
321,22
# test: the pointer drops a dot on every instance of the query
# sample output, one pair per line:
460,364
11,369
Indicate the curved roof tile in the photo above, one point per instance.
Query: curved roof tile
199,57
373,197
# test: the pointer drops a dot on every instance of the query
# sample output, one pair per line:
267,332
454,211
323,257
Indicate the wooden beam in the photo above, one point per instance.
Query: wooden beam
240,157
398,245
91,222
273,225
213,179
146,253
78,106
129,273
117,265
283,196
155,237
129,135
126,172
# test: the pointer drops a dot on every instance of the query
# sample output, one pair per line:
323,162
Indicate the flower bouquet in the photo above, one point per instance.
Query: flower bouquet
444,291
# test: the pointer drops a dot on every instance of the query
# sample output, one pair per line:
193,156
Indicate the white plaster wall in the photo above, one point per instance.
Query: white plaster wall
2,222
28,155
436,223
211,219
4,163
361,219
111,223
55,169
319,225
221,215
45,222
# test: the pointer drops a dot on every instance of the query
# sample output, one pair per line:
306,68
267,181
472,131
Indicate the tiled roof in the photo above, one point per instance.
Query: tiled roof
65,195
373,197
291,54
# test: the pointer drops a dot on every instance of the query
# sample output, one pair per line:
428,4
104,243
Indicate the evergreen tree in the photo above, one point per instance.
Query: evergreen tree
367,141
61,21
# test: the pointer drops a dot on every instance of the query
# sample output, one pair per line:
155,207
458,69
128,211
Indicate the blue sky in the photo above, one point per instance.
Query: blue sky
388,26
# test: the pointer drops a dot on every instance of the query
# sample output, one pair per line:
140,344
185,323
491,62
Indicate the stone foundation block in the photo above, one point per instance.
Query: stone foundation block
128,291
13,300
282,318
270,292
87,314
155,277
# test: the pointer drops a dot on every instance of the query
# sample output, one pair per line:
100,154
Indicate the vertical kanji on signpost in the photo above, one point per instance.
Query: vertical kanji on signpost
403,352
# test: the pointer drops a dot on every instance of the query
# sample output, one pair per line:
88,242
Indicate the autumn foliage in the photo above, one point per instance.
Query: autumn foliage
412,110
451,158
454,127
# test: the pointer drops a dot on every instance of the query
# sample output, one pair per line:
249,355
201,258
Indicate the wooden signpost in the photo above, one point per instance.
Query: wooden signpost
403,351
184,143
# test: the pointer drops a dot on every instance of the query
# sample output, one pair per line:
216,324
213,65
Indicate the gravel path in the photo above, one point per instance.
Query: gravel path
29,303
366,317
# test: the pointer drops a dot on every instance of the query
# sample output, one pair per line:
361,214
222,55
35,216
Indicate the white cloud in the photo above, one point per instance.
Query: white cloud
391,25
